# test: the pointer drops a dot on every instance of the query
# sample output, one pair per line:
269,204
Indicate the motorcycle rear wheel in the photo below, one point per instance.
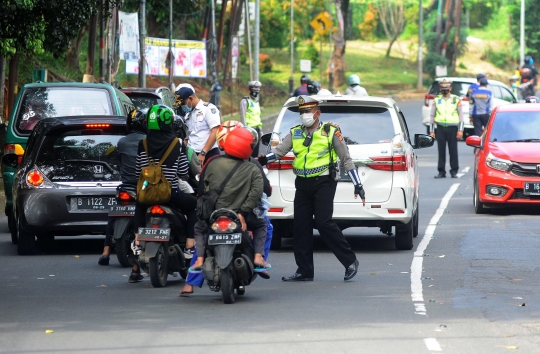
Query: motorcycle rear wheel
123,247
227,285
158,267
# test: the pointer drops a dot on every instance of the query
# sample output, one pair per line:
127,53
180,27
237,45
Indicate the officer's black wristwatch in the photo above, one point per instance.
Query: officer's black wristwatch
203,153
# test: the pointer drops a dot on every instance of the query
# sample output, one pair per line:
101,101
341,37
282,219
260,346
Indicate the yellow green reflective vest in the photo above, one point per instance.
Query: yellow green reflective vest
312,160
253,113
446,110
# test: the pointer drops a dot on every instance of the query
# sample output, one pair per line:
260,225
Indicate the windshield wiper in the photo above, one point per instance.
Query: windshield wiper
520,141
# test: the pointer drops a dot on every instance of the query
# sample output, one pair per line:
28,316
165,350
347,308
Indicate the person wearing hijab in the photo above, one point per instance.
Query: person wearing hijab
160,136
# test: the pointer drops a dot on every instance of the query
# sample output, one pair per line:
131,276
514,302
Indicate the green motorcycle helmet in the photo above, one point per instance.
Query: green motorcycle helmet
160,117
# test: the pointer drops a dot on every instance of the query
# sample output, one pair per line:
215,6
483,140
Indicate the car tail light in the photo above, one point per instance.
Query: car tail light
9,149
124,196
427,98
98,125
275,210
388,163
464,99
396,211
34,178
223,224
156,209
285,163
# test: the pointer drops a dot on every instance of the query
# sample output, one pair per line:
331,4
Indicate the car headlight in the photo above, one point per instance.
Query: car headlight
497,163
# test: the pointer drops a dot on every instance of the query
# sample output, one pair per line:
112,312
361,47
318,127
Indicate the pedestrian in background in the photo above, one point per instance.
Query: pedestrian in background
483,105
250,111
354,88
446,113
473,87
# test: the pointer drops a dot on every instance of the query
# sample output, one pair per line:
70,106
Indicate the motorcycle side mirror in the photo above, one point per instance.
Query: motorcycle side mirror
265,139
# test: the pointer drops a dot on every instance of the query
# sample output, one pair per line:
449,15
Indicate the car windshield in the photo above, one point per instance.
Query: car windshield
144,102
47,102
80,156
458,88
515,126
359,125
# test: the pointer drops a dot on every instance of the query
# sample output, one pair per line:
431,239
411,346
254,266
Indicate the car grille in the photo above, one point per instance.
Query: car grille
518,194
524,170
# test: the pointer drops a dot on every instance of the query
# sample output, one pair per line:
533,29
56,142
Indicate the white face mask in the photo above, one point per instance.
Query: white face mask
307,119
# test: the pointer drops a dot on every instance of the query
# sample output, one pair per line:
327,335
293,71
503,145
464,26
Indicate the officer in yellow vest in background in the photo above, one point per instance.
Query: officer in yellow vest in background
447,115
316,146
250,111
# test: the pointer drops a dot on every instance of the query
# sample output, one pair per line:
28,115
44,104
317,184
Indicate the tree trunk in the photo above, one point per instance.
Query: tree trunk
3,117
72,55
13,74
390,45
92,33
347,20
448,26
220,32
338,58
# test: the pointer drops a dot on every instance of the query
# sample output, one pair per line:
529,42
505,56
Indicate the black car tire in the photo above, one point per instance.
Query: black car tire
478,205
12,228
416,218
404,236
158,267
27,241
46,242
227,285
123,246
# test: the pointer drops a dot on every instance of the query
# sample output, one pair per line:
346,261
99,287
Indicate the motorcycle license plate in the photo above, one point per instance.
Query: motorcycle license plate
122,210
225,239
531,188
154,235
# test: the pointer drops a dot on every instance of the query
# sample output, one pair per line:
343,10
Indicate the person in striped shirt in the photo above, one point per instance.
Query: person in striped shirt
160,136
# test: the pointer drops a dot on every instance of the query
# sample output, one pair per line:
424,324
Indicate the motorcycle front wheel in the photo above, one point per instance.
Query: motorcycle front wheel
158,267
227,285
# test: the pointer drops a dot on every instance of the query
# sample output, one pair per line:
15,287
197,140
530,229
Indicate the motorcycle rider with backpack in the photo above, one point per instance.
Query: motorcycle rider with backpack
127,154
528,75
162,142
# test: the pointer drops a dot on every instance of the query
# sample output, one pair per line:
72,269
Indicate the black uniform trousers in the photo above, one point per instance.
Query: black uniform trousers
480,121
315,197
447,135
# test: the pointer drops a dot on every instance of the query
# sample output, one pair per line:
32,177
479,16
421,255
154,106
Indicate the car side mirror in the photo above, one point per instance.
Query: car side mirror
423,141
11,160
265,139
474,141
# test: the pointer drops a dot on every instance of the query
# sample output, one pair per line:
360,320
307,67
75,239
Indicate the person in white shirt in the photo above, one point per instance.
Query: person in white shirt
203,120
354,88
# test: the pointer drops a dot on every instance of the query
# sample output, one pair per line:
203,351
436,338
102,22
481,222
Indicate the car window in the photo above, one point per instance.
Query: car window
496,91
46,102
80,156
359,125
144,102
403,125
458,88
507,95
512,126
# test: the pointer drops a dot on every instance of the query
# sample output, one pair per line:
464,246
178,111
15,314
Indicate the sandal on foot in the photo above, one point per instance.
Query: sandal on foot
264,275
259,268
104,260
135,277
195,270
186,293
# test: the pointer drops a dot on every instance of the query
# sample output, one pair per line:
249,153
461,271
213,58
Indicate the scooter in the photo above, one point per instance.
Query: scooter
162,242
122,213
229,261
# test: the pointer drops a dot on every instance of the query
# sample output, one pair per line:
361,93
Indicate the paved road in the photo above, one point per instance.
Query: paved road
459,291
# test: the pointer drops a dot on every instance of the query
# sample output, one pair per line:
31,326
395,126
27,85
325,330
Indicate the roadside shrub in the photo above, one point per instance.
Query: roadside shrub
311,53
502,59
368,27
265,63
431,61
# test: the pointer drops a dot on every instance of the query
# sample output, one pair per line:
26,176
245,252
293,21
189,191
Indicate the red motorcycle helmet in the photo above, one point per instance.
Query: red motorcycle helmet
240,143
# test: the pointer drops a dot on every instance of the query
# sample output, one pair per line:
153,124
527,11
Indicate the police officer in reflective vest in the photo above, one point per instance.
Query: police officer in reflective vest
250,111
316,146
447,115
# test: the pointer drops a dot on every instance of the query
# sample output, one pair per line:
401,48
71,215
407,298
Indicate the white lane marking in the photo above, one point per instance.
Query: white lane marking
417,294
432,344
463,172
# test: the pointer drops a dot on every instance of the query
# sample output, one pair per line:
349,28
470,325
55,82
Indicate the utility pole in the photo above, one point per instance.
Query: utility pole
439,29
170,56
142,44
248,25
291,79
419,83
214,90
522,35
101,42
456,41
256,39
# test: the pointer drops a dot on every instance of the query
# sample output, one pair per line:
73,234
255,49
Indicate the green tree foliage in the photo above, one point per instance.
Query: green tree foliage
21,27
275,27
481,11
532,21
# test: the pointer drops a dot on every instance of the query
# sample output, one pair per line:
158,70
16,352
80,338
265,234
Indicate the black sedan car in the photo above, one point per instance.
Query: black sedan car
67,179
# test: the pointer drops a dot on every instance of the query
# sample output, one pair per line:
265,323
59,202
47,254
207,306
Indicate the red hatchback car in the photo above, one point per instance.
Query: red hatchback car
507,158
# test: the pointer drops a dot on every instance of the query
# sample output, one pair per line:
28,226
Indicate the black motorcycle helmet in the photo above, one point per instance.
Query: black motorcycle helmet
180,128
305,79
136,121
313,87
528,60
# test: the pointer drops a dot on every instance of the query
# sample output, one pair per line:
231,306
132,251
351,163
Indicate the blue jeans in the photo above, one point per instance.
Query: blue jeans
197,279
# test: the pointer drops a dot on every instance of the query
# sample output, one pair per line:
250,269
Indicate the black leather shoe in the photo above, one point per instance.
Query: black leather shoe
296,277
453,176
440,175
351,271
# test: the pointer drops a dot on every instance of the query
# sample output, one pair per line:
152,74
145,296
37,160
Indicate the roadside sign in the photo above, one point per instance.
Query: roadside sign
305,66
322,23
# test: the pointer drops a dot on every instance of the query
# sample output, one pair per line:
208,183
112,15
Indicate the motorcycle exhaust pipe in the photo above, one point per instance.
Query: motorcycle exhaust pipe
173,258
242,269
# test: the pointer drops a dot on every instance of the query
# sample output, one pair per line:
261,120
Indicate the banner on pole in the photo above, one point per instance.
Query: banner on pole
189,58
235,56
128,26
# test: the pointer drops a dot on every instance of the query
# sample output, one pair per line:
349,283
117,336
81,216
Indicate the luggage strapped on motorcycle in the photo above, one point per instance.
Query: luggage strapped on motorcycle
153,187
206,203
